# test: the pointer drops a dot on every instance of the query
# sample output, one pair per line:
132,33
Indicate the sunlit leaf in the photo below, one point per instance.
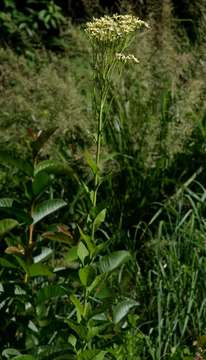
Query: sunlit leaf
82,251
52,167
45,253
46,208
86,275
7,225
122,309
38,270
114,260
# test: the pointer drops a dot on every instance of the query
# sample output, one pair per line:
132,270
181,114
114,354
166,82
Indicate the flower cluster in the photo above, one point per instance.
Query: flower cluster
112,28
126,58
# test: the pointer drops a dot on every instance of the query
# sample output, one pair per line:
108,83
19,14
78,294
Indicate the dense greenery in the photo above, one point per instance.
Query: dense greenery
102,256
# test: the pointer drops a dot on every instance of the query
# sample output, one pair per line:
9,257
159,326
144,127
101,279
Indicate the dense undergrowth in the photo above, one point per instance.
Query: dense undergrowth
145,277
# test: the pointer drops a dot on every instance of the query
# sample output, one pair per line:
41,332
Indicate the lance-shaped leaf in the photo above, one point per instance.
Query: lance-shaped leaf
8,160
114,260
122,309
7,225
99,219
46,208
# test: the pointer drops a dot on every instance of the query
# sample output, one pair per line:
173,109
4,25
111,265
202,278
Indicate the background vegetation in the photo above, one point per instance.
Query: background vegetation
153,166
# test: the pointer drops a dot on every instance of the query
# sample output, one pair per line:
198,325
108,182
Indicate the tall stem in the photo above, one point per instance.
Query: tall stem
98,151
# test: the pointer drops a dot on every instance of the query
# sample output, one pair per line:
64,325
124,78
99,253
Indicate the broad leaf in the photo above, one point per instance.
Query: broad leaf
86,275
46,208
38,270
8,160
10,352
71,255
52,167
114,260
50,292
7,225
40,182
122,309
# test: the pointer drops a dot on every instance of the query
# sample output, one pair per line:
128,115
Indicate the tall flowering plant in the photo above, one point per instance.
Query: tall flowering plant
97,313
109,36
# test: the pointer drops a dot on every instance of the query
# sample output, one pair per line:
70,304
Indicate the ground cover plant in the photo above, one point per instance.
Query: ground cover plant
103,230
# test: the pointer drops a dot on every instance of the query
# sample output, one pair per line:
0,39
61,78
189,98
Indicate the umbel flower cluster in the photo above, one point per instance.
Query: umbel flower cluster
113,28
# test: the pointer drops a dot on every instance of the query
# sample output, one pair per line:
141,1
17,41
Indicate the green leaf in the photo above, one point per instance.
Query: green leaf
50,292
78,328
40,182
38,270
78,306
8,264
88,241
90,161
52,167
92,355
114,260
86,275
6,202
22,263
72,340
99,219
46,208
8,160
10,352
71,255
98,279
122,309
82,251
7,225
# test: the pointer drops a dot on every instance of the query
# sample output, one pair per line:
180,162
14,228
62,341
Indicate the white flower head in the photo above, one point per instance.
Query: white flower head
112,28
127,58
